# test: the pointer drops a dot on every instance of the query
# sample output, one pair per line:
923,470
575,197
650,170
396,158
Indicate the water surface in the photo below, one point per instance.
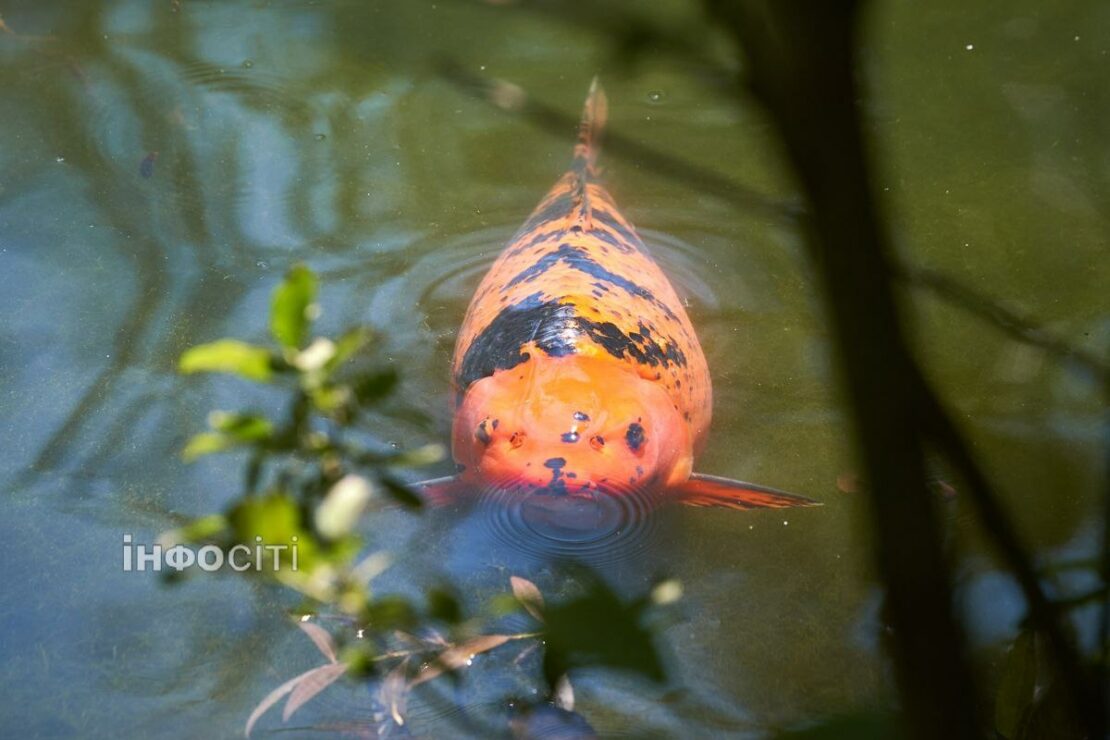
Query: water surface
163,164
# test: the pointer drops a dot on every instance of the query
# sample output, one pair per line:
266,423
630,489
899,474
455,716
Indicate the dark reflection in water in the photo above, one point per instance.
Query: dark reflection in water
291,131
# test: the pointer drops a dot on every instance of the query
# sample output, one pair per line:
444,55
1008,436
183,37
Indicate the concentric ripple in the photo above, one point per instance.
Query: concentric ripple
596,527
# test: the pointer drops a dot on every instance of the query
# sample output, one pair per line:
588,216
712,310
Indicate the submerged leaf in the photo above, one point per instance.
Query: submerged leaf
289,309
228,356
312,684
323,640
459,656
273,698
393,693
528,595
666,592
563,696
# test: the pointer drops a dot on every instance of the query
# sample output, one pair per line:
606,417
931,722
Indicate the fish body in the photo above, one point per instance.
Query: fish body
577,371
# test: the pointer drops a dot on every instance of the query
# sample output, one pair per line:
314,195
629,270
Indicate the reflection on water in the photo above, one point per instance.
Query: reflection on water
288,132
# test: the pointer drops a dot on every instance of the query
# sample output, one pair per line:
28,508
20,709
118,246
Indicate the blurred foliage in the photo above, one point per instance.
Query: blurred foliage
1031,701
862,726
312,475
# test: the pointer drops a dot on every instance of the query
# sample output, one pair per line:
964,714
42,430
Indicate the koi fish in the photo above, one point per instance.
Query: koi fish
577,371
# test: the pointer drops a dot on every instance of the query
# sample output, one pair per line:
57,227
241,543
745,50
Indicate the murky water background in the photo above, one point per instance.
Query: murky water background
297,131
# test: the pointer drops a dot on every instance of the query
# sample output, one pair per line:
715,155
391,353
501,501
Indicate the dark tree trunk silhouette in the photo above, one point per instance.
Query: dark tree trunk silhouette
802,67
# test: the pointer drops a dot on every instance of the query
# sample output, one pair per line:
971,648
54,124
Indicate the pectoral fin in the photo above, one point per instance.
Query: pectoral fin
442,491
711,491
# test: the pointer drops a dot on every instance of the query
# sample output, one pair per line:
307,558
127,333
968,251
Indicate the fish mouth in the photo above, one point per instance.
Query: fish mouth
593,524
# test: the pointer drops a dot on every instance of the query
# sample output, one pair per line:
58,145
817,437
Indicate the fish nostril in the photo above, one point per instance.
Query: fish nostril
597,442
635,437
517,439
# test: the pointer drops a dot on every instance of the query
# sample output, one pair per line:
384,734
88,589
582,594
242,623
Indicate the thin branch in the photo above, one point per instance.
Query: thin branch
1018,327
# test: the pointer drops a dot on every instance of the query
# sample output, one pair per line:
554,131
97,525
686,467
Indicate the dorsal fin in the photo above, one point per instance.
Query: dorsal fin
584,166
594,114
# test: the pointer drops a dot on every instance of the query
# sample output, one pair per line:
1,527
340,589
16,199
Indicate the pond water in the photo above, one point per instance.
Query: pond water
165,162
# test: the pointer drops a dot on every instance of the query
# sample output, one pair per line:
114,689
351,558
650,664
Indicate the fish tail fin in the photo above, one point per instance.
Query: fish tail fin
594,115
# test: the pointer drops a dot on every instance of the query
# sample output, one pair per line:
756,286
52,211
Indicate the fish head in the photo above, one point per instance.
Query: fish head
571,425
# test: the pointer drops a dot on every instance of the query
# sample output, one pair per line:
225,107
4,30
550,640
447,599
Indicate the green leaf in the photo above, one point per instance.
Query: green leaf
598,629
1016,688
198,530
400,492
228,356
865,725
390,612
204,528
231,430
276,519
329,398
444,606
348,345
205,443
241,427
289,310
418,457
376,386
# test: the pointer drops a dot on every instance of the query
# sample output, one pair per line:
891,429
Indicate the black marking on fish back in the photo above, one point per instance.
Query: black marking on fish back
579,259
555,328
